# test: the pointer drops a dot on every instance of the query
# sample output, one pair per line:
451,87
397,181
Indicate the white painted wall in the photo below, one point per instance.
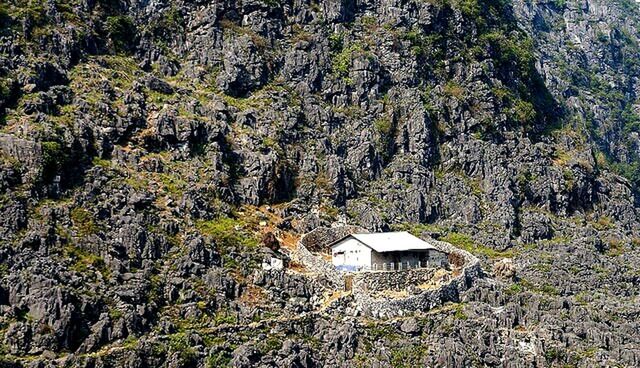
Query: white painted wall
351,255
350,252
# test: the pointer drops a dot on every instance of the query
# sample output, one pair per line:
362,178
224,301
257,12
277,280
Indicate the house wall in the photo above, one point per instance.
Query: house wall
351,255
415,259
438,257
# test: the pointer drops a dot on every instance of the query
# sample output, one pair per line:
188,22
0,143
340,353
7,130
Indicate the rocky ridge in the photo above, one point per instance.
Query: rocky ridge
147,147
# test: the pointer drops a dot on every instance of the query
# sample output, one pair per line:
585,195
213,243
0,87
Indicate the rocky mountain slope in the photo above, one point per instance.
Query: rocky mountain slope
146,148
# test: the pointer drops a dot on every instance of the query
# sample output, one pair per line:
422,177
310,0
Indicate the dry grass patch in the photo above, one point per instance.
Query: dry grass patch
392,294
253,296
440,277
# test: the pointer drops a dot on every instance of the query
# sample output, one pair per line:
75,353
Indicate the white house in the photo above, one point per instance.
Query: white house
384,251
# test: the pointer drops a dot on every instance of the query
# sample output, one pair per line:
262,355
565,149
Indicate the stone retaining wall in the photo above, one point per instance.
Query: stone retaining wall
315,239
367,282
422,300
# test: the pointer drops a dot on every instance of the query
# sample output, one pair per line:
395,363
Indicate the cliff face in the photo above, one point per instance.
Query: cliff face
143,143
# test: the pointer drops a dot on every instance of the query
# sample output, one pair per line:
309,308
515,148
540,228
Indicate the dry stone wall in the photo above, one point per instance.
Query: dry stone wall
367,284
420,300
319,239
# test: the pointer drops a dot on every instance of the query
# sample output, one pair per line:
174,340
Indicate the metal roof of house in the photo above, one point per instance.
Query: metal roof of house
389,242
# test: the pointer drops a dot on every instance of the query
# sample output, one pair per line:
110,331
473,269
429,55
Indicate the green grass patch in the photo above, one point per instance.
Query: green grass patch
173,185
459,312
219,359
465,242
84,222
407,356
259,41
381,332
524,284
603,223
179,343
615,247
225,317
97,161
418,229
244,103
228,232
84,260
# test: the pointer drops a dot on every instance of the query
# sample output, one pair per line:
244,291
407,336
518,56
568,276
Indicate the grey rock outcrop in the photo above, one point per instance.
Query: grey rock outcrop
142,143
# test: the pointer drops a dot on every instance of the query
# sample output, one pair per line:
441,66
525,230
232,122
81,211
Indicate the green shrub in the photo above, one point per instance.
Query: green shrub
510,51
219,359
553,354
5,18
549,289
514,289
178,343
5,93
379,331
630,120
33,12
524,112
273,3
53,159
171,21
225,317
630,171
270,344
383,126
121,31
342,60
336,42
423,46
173,184
4,88
470,8
115,313
502,94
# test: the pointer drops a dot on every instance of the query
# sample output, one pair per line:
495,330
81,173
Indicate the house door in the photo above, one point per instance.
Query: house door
348,282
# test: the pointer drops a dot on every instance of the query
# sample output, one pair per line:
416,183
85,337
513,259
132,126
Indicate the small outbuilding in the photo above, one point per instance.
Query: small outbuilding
384,252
